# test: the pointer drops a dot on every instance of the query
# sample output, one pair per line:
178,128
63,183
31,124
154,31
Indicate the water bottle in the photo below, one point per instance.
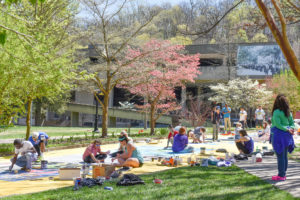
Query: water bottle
108,188
87,169
253,158
227,157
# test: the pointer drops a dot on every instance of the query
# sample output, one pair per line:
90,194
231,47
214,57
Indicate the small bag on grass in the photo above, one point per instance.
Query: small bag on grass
130,179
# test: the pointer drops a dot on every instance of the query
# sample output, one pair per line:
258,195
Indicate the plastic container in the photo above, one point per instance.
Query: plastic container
108,188
253,158
157,181
258,157
44,164
202,150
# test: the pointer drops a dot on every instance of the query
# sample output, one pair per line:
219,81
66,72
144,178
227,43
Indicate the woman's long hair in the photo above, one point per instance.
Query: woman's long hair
282,104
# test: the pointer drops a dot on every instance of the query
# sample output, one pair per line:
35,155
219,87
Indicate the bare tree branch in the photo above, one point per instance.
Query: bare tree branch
186,32
293,5
281,18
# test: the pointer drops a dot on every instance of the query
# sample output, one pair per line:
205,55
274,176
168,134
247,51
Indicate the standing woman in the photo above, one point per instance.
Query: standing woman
282,134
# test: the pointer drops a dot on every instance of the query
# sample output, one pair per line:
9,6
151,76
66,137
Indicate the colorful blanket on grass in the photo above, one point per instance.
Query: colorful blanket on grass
35,173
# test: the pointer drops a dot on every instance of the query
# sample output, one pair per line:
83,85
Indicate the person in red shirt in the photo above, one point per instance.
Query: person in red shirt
171,135
91,153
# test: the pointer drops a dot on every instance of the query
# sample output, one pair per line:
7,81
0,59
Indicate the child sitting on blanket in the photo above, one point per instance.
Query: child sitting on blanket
236,130
264,135
191,134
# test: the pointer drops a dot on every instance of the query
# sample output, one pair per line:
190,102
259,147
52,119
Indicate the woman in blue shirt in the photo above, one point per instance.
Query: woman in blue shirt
282,134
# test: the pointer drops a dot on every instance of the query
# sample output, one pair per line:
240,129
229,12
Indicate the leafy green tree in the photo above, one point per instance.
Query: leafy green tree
46,59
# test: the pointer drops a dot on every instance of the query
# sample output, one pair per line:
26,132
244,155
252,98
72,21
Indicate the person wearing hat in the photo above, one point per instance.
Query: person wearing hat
131,157
39,140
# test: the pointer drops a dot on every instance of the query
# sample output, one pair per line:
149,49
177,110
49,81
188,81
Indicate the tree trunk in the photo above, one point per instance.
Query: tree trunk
105,115
152,119
281,39
28,118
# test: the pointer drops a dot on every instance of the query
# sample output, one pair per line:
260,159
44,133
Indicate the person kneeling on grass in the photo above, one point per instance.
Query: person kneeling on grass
28,155
39,140
121,147
245,143
180,144
91,153
131,157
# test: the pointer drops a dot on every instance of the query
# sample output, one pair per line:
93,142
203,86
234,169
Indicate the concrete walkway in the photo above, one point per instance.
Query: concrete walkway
268,168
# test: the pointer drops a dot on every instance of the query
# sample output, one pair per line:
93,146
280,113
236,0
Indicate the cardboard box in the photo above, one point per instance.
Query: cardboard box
104,170
69,173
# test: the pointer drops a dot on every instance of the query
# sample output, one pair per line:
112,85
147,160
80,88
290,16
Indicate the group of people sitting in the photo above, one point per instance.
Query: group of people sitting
197,135
127,155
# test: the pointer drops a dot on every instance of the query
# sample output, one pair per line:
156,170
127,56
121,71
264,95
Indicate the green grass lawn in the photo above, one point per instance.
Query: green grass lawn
180,183
19,131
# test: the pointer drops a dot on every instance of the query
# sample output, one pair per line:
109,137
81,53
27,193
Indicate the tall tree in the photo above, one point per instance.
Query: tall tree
47,60
159,73
109,37
279,31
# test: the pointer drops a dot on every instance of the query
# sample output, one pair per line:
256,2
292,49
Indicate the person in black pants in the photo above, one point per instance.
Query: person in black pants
93,153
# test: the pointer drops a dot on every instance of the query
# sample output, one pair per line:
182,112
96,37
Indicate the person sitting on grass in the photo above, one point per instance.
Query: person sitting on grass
28,155
171,135
245,144
265,133
180,144
91,155
191,134
236,130
131,157
39,140
121,147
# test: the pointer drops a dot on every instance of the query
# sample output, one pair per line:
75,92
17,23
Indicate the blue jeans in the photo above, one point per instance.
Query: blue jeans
187,149
282,163
25,160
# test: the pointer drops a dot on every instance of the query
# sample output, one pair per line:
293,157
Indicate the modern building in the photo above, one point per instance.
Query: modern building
218,63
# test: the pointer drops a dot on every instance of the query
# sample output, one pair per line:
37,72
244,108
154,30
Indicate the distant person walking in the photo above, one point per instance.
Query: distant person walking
243,117
226,113
215,119
259,117
282,134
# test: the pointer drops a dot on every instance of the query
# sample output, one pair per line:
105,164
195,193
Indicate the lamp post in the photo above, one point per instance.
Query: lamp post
96,130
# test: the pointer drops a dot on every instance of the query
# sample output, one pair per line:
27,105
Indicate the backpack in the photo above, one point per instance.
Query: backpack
130,179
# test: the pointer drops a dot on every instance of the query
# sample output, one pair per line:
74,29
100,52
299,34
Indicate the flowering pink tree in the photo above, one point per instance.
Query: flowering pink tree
164,67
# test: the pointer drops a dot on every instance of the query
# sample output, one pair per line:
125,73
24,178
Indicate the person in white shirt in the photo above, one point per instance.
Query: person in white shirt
259,117
243,117
28,155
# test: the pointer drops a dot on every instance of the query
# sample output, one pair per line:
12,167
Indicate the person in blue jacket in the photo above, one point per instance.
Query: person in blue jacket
282,131
39,140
